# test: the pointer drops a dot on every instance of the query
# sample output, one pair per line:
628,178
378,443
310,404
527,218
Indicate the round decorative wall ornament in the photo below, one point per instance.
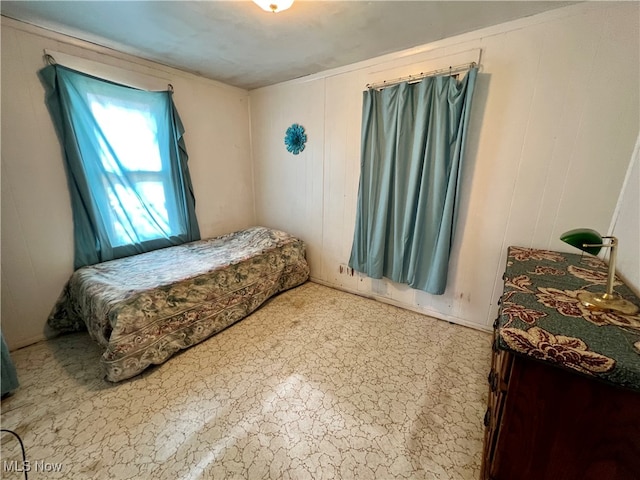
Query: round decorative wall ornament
295,138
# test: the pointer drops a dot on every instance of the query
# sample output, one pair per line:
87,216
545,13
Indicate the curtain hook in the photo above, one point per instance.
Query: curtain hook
49,59
170,87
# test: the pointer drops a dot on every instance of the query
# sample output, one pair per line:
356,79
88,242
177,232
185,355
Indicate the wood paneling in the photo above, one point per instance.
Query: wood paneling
37,226
626,224
554,121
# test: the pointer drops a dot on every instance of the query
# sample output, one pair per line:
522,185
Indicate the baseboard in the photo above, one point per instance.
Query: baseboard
413,308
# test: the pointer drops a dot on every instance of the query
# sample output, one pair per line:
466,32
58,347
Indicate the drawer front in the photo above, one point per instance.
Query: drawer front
498,380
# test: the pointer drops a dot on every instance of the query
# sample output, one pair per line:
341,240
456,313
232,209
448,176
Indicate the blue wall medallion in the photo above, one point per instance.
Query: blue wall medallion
295,138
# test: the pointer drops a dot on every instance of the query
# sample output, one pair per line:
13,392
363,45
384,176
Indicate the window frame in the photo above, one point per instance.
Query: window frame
95,231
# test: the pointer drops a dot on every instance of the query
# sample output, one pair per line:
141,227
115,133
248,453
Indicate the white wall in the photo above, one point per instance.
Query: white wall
626,224
555,118
37,229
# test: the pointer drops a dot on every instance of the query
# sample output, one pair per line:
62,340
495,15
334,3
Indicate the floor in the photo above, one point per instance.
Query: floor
317,384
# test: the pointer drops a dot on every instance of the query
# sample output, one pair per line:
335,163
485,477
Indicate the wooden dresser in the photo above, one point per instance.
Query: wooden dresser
564,385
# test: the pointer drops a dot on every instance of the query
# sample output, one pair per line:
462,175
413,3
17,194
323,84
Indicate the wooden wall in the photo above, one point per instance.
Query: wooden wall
554,123
37,228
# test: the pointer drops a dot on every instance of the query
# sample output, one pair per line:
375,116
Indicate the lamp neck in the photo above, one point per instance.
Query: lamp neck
613,253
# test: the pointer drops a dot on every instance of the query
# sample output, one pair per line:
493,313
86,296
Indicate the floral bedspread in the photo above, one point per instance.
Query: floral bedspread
143,309
541,317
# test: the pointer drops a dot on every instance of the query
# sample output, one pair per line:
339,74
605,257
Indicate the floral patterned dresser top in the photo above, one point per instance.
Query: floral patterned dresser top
542,318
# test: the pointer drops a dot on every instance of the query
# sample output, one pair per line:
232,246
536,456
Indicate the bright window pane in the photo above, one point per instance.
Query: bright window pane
132,221
153,193
132,134
128,149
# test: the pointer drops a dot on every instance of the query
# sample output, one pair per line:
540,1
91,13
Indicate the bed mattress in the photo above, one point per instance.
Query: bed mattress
143,309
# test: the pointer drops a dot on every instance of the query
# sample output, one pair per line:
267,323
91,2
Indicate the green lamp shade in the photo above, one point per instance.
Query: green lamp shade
580,237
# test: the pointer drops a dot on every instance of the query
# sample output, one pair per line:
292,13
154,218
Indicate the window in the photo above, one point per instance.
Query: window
130,186
135,175
412,148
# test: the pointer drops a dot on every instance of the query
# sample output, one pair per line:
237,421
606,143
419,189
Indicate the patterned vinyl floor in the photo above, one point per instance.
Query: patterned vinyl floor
317,384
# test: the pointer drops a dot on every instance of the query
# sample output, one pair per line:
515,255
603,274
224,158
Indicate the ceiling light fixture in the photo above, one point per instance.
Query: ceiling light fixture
274,6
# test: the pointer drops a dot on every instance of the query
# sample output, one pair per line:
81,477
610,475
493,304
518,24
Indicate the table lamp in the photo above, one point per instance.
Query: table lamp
590,241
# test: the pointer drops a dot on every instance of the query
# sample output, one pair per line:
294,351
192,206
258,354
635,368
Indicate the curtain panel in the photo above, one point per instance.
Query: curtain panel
9,381
126,165
412,147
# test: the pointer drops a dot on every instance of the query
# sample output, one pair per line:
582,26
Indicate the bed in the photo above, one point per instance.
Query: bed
143,309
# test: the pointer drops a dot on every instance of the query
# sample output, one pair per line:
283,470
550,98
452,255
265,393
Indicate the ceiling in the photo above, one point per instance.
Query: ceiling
239,44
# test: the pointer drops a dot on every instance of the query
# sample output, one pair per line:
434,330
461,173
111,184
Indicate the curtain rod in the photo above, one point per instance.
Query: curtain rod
50,60
415,78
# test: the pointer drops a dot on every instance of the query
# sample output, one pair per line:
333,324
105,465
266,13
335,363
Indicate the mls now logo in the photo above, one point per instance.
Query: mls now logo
27,466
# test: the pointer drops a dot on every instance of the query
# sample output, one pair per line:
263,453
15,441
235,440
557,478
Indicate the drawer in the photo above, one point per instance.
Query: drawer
498,380
504,362
501,362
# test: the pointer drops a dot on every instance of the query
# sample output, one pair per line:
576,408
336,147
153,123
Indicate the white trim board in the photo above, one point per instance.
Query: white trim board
405,306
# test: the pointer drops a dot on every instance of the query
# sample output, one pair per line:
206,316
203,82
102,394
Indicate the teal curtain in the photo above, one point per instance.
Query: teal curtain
9,376
413,138
126,165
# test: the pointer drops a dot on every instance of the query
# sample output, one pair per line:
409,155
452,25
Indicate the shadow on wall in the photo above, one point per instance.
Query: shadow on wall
468,169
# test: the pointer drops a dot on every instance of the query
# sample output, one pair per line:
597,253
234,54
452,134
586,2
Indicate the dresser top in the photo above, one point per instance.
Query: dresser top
541,316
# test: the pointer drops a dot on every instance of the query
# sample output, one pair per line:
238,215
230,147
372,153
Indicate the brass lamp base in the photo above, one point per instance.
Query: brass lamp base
604,301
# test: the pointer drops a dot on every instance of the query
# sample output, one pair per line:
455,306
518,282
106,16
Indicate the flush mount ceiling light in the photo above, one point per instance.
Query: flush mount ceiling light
274,6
